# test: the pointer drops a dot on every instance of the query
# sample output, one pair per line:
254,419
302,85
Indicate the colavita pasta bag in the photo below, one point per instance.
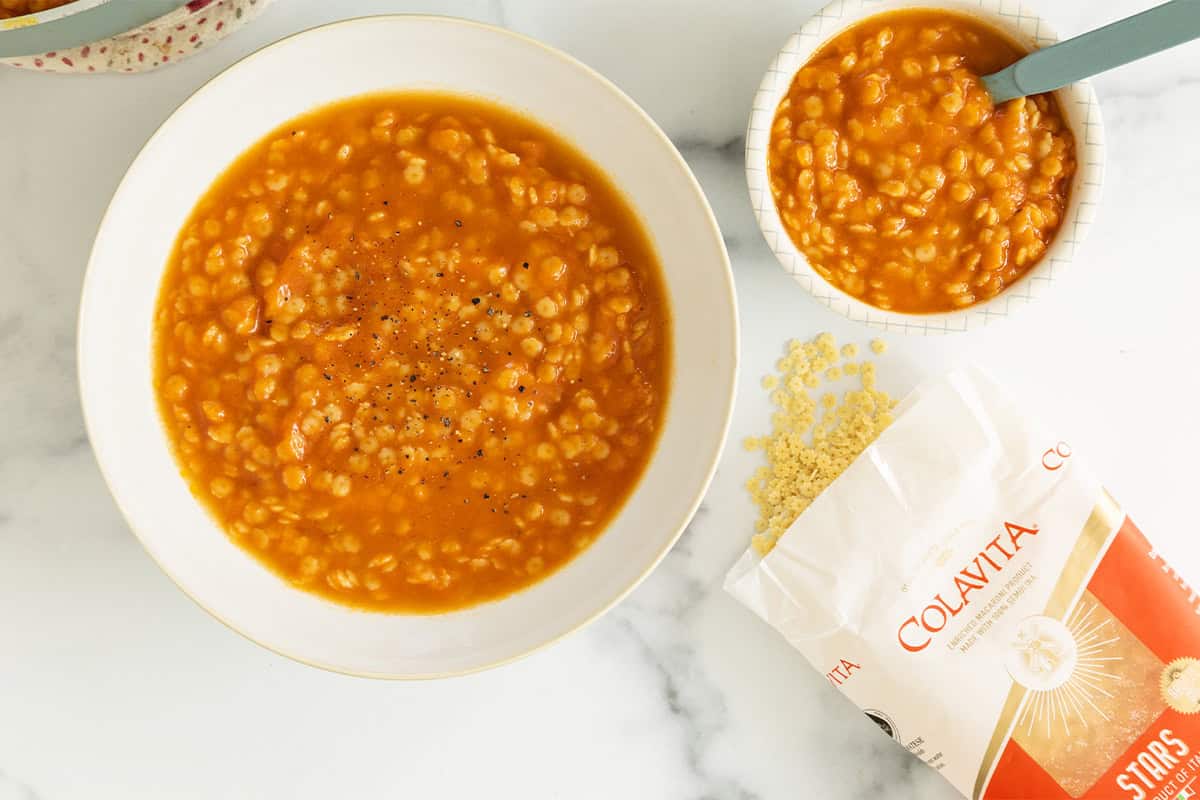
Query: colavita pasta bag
972,587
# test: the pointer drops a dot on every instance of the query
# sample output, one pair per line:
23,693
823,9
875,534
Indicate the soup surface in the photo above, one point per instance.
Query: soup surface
412,351
898,178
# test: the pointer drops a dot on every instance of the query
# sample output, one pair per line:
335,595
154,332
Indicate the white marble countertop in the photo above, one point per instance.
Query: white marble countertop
114,685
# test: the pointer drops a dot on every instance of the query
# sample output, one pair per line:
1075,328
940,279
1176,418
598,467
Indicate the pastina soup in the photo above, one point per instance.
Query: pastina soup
900,180
412,351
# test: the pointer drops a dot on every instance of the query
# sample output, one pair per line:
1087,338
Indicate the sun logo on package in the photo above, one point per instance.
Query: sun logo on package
1180,685
1065,667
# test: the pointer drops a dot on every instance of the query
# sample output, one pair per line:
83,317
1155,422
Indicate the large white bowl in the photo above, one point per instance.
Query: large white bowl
232,112
1080,108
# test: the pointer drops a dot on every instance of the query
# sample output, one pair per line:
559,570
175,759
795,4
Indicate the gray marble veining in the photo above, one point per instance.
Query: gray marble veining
113,685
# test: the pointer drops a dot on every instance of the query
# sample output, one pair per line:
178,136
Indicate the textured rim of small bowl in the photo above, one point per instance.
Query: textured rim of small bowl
1079,103
720,441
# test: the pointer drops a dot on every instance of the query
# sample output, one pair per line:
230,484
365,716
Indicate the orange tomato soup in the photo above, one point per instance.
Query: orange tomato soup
898,178
412,351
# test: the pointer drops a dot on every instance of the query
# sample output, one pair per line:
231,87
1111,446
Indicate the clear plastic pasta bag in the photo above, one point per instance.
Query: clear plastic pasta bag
972,587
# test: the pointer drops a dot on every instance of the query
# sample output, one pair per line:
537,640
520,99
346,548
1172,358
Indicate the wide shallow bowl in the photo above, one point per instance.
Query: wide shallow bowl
1079,105
232,112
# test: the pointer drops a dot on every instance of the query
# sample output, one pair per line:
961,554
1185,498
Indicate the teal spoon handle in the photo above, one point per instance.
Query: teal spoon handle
1100,50
105,20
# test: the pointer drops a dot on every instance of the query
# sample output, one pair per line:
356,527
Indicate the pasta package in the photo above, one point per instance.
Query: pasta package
975,590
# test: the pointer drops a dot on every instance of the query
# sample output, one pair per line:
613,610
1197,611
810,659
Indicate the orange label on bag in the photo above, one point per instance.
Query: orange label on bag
1123,720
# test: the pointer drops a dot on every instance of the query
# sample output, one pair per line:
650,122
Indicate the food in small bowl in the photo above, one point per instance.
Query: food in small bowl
416,363
893,178
19,8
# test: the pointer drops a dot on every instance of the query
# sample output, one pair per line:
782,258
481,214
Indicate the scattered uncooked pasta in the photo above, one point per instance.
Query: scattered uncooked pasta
813,437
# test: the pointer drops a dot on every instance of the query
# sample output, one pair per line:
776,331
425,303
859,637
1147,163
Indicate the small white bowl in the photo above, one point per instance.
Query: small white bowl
233,111
1079,105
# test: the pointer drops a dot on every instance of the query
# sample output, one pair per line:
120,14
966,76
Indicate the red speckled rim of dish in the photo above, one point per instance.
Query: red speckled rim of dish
163,41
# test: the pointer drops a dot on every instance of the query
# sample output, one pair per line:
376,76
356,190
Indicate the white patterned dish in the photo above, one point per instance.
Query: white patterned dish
217,124
1079,104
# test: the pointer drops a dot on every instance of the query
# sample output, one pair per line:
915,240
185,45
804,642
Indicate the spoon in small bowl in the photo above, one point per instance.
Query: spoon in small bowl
1097,51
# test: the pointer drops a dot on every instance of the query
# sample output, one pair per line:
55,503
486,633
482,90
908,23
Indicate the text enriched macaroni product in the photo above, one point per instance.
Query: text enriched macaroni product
972,587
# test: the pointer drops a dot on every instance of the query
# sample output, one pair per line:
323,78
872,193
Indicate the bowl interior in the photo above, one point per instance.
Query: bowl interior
225,117
1080,107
